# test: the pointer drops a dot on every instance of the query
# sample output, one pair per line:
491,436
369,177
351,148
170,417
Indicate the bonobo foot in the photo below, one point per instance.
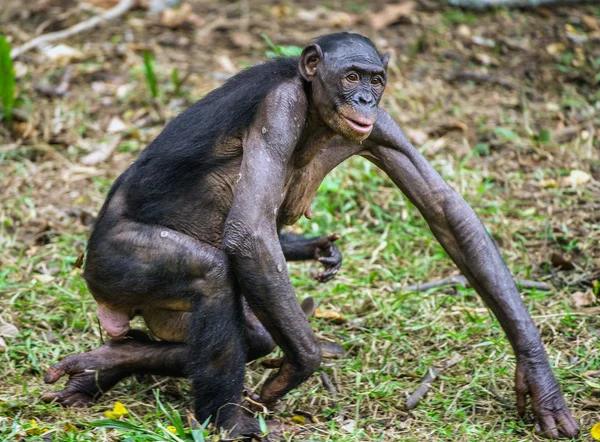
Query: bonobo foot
547,402
90,374
93,373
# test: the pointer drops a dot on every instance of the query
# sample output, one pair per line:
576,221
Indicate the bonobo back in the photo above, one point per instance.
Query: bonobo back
178,159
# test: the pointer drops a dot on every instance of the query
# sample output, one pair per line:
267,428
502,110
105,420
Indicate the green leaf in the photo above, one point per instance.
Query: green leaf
544,136
281,51
176,80
262,424
150,74
7,79
505,133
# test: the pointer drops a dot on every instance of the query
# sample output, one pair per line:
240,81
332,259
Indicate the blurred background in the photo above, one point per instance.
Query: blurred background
505,104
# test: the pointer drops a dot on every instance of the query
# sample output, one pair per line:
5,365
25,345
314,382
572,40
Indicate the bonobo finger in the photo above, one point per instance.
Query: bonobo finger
326,276
331,349
329,260
54,373
333,237
69,397
58,370
522,390
567,425
549,428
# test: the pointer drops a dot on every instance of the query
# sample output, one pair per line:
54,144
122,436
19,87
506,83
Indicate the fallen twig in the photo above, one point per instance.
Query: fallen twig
427,380
479,77
111,14
330,388
63,87
102,153
482,4
461,281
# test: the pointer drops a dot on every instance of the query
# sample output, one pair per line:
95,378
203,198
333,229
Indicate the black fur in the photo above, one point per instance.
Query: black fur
173,162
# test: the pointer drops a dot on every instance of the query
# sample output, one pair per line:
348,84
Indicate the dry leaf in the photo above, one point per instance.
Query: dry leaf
104,4
416,136
349,426
391,14
555,48
115,125
591,22
549,183
8,330
464,31
561,262
341,19
226,64
44,279
330,315
241,39
176,17
62,53
576,178
583,299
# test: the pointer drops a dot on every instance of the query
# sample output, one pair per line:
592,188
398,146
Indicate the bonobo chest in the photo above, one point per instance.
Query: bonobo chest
300,189
311,165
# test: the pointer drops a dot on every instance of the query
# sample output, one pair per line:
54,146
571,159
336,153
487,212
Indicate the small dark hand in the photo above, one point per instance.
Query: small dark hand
548,405
329,255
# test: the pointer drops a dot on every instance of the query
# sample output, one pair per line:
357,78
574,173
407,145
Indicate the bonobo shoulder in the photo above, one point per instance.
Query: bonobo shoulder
288,96
282,115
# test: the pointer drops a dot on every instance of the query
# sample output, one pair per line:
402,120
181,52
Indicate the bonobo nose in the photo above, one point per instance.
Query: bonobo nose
365,100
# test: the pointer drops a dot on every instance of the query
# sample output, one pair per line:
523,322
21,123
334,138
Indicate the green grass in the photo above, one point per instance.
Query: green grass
7,80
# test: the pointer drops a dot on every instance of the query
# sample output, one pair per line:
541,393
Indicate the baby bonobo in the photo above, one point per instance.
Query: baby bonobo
188,237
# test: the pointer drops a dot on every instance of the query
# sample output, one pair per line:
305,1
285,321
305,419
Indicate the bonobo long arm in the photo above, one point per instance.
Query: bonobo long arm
251,241
462,235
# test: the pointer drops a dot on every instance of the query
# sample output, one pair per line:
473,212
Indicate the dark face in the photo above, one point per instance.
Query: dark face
347,85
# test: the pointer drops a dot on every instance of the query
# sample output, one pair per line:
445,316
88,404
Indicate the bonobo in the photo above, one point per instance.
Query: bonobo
189,239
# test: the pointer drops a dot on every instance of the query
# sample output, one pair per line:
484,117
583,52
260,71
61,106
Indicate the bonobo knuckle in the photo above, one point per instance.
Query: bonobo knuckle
310,361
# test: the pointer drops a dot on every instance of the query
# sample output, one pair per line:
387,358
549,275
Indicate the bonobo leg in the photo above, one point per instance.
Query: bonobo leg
93,373
148,270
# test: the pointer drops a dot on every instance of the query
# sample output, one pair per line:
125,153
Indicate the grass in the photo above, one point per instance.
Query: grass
7,80
391,337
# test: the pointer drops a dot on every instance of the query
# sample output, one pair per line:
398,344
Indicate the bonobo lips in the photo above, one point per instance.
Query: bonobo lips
361,125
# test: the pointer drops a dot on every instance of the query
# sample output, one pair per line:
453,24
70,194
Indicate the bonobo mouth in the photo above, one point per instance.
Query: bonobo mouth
360,125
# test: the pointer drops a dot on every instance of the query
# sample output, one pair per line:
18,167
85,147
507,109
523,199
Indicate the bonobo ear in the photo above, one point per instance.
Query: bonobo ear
310,58
385,58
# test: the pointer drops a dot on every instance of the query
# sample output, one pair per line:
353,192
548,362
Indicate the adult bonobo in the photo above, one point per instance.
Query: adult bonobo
189,234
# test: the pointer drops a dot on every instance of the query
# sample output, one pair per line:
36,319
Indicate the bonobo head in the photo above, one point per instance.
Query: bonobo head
347,76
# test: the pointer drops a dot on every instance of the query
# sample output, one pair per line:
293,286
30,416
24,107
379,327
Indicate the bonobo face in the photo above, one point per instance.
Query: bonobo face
347,84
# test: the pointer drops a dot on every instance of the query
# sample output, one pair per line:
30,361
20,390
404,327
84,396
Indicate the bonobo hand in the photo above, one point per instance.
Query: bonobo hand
329,255
549,407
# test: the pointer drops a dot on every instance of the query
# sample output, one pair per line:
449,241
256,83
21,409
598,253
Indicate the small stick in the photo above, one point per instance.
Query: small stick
62,89
479,77
330,388
117,11
461,281
102,153
427,380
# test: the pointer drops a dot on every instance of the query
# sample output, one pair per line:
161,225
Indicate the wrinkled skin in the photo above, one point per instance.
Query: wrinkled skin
194,248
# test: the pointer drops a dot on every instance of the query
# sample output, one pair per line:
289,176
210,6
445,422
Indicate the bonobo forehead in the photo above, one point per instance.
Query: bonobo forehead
350,50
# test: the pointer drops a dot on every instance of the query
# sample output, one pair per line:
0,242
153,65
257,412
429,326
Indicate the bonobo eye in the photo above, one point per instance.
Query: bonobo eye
377,81
352,77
